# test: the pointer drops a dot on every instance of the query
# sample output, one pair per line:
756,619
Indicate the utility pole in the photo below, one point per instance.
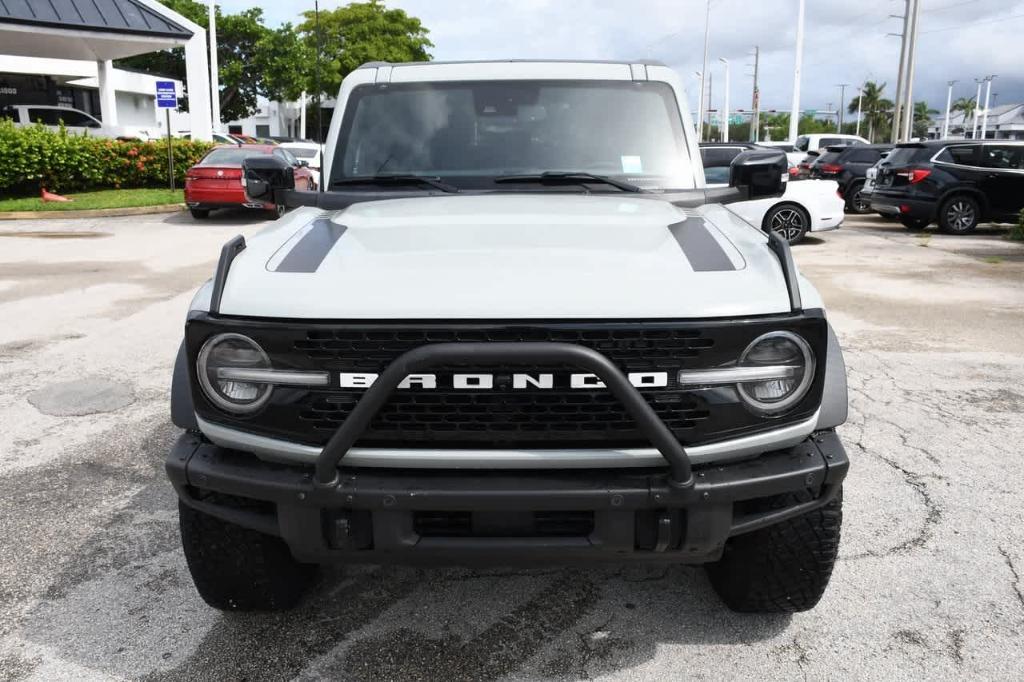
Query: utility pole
977,105
842,106
860,99
214,74
755,105
984,118
898,101
725,119
794,117
908,85
704,70
711,81
949,103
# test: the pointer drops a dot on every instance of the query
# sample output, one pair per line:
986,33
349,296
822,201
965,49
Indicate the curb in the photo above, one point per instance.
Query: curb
92,212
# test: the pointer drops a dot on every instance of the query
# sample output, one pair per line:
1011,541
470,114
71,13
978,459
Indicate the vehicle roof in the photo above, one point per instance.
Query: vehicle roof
305,144
269,148
749,145
945,143
847,147
646,62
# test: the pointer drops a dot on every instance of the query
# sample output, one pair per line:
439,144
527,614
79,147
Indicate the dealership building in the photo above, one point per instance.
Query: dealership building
61,54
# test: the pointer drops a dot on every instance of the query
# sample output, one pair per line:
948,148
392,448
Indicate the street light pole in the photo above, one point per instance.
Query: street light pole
704,70
898,101
794,117
214,75
908,85
725,119
860,99
977,104
949,102
984,118
842,107
755,120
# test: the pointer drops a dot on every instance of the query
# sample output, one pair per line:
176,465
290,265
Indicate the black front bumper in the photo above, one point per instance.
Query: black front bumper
380,515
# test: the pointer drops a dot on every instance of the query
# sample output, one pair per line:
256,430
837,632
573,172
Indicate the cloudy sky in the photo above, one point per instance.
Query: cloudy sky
845,42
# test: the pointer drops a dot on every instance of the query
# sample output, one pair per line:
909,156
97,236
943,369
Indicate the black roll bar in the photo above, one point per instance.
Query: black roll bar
439,354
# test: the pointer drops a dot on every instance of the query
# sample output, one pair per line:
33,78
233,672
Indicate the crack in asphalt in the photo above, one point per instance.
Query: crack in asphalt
1016,576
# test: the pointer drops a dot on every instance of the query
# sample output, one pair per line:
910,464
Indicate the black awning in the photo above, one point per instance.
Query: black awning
109,16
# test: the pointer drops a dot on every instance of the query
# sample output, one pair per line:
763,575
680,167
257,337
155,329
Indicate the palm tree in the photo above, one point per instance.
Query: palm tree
875,109
968,105
922,117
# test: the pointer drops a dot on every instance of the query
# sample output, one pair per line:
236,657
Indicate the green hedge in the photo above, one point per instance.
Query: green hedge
34,157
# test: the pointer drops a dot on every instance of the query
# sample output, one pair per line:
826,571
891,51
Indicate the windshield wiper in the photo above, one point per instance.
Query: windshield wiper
396,179
575,177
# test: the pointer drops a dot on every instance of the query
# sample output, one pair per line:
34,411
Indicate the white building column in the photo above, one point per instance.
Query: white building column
108,96
197,80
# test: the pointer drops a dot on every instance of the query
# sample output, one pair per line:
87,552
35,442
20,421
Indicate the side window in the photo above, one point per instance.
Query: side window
78,119
801,143
718,156
962,155
286,156
829,141
1005,157
50,117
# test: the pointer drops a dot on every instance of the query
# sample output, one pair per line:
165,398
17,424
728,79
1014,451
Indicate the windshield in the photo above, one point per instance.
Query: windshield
469,133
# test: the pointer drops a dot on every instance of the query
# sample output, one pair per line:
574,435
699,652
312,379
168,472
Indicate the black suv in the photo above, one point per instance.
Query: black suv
957,183
848,166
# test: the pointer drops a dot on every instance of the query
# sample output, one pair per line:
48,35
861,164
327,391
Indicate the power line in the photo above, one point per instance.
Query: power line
974,23
952,6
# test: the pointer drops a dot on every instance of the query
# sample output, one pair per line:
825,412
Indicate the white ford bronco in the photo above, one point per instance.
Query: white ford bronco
513,326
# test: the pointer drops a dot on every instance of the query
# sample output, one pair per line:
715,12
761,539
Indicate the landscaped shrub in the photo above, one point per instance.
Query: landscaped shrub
34,157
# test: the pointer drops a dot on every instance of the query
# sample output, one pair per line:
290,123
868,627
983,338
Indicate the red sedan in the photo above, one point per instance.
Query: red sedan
217,182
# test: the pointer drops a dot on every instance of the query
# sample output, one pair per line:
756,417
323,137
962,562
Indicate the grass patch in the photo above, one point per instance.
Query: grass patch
995,260
109,198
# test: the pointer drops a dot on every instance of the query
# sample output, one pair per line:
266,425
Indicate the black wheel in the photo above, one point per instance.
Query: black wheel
200,213
914,223
788,221
276,212
237,569
959,214
783,568
856,201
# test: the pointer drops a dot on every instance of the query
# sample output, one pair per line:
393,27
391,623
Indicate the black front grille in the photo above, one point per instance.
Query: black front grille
503,416
631,349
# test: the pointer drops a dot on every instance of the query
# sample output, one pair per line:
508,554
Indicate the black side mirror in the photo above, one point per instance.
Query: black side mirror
762,173
266,175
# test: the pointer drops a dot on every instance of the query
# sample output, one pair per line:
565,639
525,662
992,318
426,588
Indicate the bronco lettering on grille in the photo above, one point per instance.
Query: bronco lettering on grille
487,382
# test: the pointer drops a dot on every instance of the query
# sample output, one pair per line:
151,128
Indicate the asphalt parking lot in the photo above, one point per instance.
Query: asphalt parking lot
93,584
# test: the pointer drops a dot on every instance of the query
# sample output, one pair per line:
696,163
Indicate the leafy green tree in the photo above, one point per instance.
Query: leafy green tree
922,117
876,110
363,32
253,60
968,105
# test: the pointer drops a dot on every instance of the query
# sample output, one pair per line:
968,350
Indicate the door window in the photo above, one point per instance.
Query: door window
801,143
78,119
1003,157
50,117
961,155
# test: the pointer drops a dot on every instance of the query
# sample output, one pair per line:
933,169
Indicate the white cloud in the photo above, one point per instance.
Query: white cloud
845,42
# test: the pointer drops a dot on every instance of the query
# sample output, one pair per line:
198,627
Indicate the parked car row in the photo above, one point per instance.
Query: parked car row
957,184
810,206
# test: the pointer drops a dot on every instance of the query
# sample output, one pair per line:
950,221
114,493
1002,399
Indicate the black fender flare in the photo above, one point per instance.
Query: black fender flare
835,401
183,414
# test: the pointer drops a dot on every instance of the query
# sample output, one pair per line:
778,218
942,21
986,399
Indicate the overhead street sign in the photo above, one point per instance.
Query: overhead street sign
166,98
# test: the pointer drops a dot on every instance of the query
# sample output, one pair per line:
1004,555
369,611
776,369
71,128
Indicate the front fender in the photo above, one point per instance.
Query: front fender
835,398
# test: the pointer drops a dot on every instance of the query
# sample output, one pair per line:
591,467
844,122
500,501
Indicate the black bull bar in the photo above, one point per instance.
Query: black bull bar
441,354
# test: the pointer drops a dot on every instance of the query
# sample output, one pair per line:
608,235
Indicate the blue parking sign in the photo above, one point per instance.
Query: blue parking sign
166,97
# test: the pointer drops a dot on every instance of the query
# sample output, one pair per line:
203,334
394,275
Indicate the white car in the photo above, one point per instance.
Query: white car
806,206
75,121
817,141
308,152
517,326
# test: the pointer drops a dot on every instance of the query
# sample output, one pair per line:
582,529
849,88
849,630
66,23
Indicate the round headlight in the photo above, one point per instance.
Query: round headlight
226,352
792,357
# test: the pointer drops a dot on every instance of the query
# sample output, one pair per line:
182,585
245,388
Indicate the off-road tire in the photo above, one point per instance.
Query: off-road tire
237,569
855,200
783,568
200,213
959,214
914,223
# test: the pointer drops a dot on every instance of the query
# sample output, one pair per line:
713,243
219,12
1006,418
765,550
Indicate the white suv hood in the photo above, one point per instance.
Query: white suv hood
507,256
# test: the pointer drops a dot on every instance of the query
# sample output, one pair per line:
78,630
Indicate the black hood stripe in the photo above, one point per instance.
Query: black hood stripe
310,251
700,247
